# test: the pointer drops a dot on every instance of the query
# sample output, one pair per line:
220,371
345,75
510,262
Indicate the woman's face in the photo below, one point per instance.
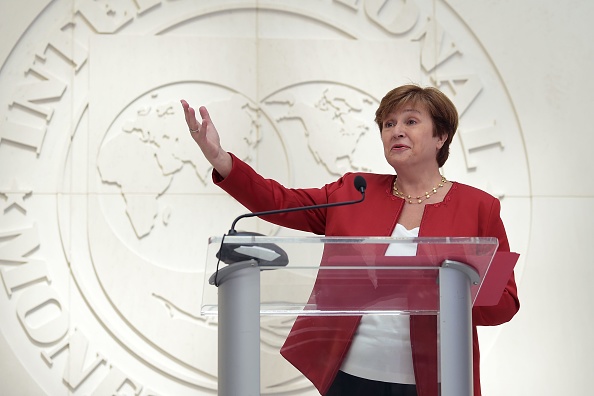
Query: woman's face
407,136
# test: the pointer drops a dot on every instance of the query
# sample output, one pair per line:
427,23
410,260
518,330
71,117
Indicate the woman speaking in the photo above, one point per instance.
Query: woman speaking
376,355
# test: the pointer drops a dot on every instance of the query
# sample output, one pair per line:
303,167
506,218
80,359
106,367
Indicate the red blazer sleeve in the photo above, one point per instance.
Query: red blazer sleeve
258,194
509,304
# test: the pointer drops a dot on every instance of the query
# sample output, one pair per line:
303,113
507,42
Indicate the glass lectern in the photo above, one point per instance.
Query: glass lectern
249,276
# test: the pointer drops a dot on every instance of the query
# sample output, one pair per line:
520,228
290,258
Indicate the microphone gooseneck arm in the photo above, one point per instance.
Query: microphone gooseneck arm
360,185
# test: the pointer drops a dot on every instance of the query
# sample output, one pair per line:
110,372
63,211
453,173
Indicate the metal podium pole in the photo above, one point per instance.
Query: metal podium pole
239,329
455,328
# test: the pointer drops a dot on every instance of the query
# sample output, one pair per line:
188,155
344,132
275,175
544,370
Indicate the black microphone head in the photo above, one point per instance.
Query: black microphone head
360,183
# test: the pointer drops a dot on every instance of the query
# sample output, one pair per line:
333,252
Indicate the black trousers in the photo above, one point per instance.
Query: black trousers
348,385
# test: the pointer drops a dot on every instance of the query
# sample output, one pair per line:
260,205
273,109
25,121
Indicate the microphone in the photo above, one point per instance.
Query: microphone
268,254
360,185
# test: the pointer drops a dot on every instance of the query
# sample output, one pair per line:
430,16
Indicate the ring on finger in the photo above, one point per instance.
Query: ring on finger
194,130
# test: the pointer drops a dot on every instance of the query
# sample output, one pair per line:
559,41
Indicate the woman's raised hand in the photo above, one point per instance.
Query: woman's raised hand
206,136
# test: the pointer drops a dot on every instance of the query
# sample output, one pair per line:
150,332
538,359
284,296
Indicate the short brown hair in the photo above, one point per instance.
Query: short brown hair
440,108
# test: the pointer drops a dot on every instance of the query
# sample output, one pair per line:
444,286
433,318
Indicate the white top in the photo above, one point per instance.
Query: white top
381,349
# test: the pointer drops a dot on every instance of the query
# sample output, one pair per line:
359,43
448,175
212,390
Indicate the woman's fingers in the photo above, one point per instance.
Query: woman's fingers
206,136
190,115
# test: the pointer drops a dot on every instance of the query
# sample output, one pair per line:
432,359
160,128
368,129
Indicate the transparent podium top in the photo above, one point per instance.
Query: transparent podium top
314,275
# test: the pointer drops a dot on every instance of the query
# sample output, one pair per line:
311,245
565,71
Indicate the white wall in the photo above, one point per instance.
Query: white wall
103,195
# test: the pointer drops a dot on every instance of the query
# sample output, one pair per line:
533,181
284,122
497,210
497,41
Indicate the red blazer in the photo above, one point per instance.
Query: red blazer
317,345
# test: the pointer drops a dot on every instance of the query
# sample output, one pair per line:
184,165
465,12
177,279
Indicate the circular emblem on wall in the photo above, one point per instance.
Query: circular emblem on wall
108,209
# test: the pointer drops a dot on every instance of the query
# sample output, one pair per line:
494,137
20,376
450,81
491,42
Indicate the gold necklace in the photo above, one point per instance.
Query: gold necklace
420,198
